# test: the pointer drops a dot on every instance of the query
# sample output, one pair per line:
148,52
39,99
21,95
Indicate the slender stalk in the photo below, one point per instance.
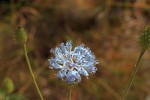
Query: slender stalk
69,92
133,74
33,77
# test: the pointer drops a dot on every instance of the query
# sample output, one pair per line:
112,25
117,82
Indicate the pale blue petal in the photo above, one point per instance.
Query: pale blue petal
83,72
61,73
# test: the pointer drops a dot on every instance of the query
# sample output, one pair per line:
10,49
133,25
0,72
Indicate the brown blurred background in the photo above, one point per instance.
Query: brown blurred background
109,27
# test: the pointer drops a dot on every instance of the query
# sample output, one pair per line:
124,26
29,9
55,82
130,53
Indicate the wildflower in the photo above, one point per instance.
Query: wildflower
73,63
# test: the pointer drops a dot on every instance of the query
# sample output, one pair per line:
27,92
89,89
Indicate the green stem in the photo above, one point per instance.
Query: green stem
133,74
29,65
69,92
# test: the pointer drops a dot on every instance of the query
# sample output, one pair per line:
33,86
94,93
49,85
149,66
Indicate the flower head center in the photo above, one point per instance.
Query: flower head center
70,67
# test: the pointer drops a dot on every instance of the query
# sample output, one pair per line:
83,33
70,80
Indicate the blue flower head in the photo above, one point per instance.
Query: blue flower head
73,63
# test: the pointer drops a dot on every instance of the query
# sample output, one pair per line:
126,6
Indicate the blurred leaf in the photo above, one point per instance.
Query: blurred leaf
1,95
17,97
7,86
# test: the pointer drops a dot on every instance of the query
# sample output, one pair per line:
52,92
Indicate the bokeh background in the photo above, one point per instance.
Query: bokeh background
109,27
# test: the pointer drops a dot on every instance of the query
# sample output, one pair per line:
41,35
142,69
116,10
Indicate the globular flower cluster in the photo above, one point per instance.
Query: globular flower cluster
73,63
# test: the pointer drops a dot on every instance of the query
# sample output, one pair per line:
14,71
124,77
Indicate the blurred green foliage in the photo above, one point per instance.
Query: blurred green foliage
7,86
6,91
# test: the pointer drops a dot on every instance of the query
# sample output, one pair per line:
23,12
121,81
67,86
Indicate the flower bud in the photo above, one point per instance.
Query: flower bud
21,35
144,38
